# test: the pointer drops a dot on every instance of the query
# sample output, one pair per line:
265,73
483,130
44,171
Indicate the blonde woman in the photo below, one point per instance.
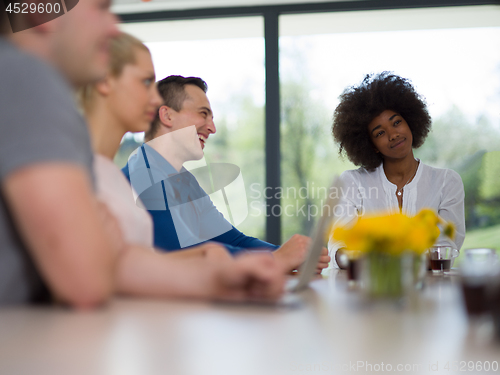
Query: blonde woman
126,100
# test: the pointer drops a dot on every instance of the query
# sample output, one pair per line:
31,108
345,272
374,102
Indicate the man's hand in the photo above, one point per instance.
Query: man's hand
293,253
249,277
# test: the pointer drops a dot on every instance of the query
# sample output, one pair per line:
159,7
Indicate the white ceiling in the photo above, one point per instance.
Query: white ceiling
318,23
133,6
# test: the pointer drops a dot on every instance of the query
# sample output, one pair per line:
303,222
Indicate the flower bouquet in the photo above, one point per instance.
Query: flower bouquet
393,248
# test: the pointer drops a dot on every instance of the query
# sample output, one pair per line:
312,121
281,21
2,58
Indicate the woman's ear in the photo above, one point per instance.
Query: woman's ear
103,86
165,115
375,148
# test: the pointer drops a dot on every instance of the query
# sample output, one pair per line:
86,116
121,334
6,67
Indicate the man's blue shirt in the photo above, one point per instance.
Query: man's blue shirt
183,214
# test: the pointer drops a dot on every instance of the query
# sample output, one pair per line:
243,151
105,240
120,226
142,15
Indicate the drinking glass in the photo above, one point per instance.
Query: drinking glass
441,258
479,271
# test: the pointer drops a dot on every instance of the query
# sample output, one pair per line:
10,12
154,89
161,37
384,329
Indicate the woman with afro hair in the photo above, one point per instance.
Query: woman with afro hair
377,125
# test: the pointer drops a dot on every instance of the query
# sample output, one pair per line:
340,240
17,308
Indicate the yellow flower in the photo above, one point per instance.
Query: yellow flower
393,233
422,236
428,216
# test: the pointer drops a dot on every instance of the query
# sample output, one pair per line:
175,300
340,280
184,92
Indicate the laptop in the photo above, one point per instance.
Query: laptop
308,269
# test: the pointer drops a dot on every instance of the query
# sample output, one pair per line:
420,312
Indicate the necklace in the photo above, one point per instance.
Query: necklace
400,191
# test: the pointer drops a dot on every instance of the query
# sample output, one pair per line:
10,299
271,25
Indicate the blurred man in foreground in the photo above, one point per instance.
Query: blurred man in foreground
56,241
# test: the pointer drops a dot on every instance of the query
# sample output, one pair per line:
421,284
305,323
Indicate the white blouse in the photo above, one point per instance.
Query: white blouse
367,192
114,190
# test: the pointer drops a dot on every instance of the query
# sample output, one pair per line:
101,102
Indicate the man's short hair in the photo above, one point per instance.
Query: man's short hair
172,90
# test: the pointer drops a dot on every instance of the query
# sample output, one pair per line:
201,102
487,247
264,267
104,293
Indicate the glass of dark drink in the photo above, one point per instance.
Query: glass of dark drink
353,269
441,258
353,266
479,278
474,291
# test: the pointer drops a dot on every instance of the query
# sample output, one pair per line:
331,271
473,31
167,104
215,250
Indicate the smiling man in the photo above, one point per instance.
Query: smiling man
182,212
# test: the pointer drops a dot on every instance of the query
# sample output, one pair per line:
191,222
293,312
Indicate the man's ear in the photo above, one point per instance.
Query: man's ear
165,115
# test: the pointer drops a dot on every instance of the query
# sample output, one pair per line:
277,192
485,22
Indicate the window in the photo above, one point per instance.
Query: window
452,55
229,55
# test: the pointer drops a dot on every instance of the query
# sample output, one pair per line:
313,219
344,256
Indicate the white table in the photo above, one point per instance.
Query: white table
334,330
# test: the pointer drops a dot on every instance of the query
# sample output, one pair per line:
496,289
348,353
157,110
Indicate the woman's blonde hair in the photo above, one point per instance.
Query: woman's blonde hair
122,51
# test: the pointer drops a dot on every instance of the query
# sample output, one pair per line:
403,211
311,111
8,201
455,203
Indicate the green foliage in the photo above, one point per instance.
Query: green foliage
454,138
469,171
300,130
484,237
465,146
309,157
490,177
240,140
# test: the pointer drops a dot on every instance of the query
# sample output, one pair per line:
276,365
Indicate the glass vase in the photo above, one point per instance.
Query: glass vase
391,276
